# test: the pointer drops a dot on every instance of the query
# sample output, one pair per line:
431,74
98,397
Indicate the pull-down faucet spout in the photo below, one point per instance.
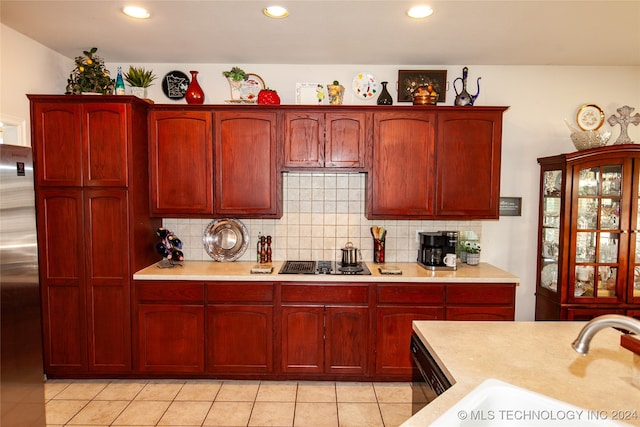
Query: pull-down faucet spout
581,343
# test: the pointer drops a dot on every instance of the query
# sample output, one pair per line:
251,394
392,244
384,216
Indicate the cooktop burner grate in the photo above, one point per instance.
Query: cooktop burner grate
298,267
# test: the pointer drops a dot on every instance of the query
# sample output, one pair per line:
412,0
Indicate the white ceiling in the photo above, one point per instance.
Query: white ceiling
515,32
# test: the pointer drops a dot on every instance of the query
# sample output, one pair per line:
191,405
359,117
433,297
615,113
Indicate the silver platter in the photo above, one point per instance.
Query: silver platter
225,239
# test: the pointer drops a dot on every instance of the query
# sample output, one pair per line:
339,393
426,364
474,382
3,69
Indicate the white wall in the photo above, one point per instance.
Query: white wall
540,98
27,67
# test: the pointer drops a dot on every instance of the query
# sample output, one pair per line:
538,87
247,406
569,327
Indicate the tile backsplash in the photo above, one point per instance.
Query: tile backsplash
322,212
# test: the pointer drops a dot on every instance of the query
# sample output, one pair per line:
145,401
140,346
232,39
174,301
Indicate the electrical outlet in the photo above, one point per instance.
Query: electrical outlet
418,235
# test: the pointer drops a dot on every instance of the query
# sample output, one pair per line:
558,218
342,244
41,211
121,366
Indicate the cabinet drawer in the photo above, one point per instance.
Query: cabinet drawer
239,292
191,292
503,294
411,294
325,293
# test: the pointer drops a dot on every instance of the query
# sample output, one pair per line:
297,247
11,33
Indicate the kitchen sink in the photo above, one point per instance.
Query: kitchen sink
496,403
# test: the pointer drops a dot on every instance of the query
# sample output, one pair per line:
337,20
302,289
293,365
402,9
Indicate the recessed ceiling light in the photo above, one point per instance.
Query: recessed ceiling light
420,12
276,12
136,12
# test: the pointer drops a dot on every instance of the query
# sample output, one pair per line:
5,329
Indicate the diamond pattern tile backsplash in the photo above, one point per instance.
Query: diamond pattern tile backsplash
322,212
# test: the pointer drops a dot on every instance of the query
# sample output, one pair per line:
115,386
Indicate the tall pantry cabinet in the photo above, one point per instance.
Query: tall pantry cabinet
94,227
588,250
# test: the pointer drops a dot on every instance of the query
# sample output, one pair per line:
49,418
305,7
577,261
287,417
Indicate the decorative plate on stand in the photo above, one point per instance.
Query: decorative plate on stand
365,86
175,84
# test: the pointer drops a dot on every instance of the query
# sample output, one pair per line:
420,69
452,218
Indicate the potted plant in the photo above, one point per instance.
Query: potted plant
236,76
139,79
472,249
90,75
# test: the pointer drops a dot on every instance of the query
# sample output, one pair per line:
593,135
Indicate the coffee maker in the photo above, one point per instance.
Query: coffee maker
434,246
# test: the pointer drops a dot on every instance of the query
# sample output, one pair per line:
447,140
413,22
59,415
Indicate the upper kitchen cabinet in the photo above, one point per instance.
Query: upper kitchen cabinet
317,140
468,153
401,181
588,251
94,228
93,135
435,163
247,182
181,163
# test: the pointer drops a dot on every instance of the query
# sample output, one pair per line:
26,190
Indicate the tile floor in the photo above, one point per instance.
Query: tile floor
128,403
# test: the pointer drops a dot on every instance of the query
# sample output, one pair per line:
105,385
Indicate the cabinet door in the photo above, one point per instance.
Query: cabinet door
104,142
170,338
303,140
240,339
106,228
347,340
57,144
468,153
401,180
393,334
633,274
345,136
61,257
181,163
600,221
247,180
303,339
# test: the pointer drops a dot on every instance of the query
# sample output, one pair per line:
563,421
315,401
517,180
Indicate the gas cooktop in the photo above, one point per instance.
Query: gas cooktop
323,267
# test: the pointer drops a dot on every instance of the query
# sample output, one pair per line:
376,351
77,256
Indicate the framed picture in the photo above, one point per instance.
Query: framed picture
410,80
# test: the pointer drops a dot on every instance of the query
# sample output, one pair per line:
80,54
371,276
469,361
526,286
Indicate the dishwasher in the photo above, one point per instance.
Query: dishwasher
429,381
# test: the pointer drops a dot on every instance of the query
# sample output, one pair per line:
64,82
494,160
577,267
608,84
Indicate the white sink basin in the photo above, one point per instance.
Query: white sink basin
495,403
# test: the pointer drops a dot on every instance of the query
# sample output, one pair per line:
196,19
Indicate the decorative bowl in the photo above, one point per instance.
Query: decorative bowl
425,99
586,139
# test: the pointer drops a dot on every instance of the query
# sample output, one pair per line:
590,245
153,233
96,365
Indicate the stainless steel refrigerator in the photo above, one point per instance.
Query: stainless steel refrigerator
21,373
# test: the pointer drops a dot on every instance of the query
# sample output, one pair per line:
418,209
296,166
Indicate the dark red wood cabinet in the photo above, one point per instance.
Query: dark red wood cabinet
324,141
325,330
435,163
247,180
401,181
94,227
240,328
170,325
181,162
588,261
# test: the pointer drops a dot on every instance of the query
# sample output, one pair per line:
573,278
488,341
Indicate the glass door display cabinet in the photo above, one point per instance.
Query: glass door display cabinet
588,256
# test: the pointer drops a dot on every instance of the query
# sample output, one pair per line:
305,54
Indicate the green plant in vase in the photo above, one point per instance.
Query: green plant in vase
139,79
236,76
90,75
472,250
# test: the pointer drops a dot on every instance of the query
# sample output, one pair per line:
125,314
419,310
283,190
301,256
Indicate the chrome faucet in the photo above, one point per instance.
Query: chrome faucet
581,343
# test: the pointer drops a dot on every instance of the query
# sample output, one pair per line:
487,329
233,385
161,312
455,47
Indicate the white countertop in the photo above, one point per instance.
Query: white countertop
535,356
241,271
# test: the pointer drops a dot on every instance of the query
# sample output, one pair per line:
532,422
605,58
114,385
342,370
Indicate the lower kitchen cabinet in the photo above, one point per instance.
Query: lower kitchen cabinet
325,340
169,332
480,302
240,336
325,329
296,330
398,305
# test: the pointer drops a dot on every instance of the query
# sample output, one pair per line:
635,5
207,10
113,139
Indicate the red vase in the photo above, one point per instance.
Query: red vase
194,93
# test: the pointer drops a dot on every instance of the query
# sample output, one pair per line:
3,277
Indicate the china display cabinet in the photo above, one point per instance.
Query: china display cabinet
588,256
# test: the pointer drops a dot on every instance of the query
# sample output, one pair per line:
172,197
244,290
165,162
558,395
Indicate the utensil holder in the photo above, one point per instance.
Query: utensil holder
378,251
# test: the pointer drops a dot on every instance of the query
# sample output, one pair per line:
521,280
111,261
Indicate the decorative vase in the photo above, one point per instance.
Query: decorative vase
140,92
194,93
385,97
336,94
236,88
473,259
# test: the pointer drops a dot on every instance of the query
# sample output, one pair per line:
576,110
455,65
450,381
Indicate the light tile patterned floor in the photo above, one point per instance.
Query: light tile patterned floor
180,403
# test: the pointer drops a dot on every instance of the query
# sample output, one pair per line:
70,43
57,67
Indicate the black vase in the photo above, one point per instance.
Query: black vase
385,96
